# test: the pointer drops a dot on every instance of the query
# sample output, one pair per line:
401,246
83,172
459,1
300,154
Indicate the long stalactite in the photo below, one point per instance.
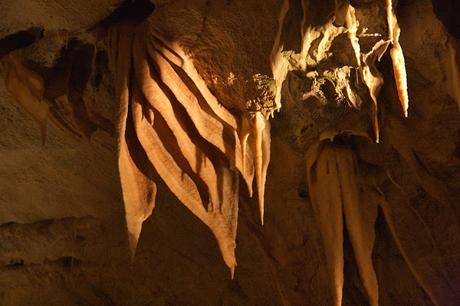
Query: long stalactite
397,57
334,185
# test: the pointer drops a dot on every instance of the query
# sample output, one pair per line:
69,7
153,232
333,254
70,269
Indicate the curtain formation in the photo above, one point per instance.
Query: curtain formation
172,124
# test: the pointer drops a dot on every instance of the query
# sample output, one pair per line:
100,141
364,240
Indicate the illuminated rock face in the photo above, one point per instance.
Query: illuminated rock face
291,114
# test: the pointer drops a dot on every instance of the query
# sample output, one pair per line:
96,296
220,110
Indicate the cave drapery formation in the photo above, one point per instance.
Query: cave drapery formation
195,144
200,122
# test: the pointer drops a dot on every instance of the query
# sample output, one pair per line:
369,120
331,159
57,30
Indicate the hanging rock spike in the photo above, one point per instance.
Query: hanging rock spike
397,57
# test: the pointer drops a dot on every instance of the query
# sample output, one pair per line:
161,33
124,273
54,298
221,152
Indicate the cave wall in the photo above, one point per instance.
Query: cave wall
62,229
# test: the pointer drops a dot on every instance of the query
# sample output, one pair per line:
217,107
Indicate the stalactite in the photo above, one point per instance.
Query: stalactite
196,146
453,69
352,26
261,131
333,183
139,191
155,143
397,56
245,131
158,100
374,80
174,130
324,188
360,220
279,65
212,120
244,136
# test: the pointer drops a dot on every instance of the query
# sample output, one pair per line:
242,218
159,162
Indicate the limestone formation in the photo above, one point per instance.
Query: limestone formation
277,124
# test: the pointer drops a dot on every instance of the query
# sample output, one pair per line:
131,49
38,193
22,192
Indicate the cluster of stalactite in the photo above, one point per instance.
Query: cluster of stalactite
172,124
172,128
332,170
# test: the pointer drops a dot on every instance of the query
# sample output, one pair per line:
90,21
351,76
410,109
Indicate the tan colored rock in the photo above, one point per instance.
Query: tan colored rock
209,92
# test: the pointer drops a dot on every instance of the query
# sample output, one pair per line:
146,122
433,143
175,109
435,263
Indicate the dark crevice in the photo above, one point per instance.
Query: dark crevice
19,40
67,262
129,10
448,11
15,263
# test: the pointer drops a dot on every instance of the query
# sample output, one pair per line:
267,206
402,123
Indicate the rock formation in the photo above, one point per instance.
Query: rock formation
283,126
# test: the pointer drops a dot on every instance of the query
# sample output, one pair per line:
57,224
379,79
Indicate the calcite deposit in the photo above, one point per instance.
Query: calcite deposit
205,152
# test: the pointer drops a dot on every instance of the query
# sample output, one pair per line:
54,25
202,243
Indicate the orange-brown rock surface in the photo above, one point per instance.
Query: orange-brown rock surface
169,132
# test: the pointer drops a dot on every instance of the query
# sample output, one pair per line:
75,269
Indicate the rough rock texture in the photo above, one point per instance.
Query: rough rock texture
62,230
73,15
